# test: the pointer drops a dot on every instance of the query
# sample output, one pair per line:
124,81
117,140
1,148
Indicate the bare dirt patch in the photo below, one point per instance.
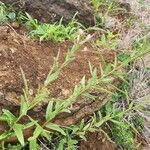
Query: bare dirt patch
97,141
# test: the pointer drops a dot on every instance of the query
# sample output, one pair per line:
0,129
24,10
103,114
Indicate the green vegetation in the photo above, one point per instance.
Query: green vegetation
117,113
55,32
68,136
107,6
3,14
123,136
6,14
103,8
107,41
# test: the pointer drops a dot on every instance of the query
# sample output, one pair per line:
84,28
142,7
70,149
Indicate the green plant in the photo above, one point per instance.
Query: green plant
128,124
119,112
119,108
14,147
102,5
96,5
122,135
7,14
108,41
121,131
53,108
42,31
55,32
103,9
3,14
69,135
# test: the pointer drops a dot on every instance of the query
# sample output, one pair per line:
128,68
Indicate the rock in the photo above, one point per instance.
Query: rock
52,11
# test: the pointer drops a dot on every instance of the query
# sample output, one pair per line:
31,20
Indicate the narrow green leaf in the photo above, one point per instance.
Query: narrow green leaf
83,82
3,117
82,124
61,144
4,135
86,127
23,107
36,133
49,110
11,118
52,77
94,75
46,134
18,129
66,110
102,121
55,127
107,80
29,125
33,144
115,121
83,137
58,105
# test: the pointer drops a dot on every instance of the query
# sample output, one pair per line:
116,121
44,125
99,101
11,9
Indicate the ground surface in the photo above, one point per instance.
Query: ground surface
97,141
36,59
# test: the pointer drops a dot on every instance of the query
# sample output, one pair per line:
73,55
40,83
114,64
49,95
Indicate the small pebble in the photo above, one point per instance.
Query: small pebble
65,92
15,25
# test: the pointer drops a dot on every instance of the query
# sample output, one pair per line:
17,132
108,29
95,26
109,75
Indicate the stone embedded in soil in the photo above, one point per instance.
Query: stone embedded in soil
54,10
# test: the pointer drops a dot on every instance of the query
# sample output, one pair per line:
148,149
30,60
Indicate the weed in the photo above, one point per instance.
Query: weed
42,31
119,112
138,122
121,132
69,135
107,6
3,14
108,41
126,123
55,32
53,108
123,56
8,14
14,147
122,135
108,10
